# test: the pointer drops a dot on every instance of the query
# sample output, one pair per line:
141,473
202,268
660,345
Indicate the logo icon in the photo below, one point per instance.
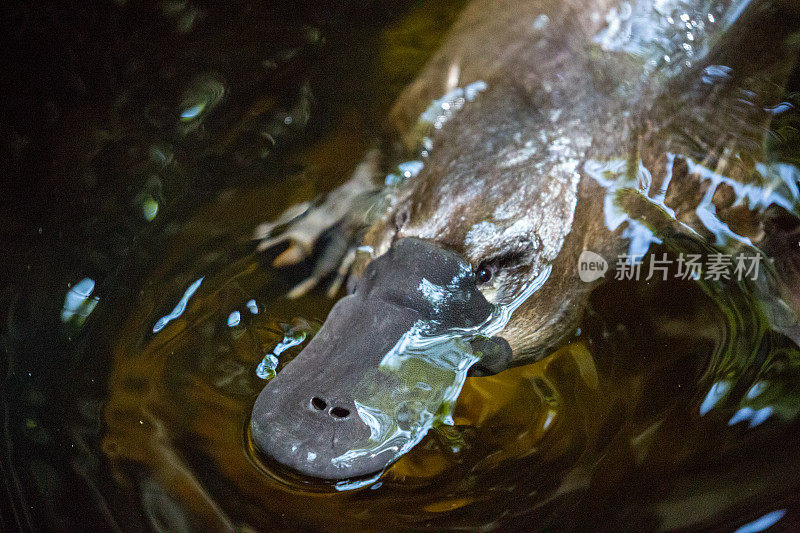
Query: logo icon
591,266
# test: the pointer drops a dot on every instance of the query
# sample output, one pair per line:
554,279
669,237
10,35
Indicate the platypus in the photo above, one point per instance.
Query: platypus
544,128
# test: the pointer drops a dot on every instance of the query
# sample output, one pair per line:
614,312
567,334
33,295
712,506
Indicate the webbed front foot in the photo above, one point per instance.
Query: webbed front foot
340,216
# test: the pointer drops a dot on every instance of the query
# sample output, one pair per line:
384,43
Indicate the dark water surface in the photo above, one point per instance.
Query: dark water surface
144,142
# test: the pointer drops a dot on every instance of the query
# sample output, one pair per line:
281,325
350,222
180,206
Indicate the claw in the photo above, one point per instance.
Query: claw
266,244
302,288
341,273
291,256
265,229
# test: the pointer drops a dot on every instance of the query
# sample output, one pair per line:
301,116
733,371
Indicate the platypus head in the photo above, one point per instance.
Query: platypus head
503,188
470,240
369,384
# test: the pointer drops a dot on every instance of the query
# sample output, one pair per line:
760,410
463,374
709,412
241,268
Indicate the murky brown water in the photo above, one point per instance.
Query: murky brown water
163,137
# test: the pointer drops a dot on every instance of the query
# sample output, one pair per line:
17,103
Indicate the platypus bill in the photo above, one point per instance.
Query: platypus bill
545,128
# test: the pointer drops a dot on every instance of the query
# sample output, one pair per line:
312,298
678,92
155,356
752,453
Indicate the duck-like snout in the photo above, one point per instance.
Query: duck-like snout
315,416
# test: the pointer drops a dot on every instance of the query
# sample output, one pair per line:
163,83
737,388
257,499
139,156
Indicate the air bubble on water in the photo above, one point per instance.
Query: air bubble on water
409,169
193,111
761,415
551,415
754,416
714,73
541,22
443,109
79,302
266,368
149,208
717,391
291,339
392,180
741,415
763,523
359,483
756,390
200,98
472,90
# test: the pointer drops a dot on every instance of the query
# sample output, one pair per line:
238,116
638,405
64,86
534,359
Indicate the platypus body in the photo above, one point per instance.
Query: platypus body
545,128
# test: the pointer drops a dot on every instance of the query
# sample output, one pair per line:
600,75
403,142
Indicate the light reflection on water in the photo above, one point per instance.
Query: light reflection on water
669,395
551,420
180,307
79,302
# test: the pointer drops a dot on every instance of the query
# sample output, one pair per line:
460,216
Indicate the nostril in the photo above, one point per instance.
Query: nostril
318,403
340,412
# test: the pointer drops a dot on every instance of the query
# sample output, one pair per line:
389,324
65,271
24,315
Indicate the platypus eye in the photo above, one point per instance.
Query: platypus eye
485,274
487,270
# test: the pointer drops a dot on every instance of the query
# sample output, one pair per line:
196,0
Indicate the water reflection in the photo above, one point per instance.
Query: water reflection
766,521
179,308
200,99
267,367
675,406
626,389
715,394
79,302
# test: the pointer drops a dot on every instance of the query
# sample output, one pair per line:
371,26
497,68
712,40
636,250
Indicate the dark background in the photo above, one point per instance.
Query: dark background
88,88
